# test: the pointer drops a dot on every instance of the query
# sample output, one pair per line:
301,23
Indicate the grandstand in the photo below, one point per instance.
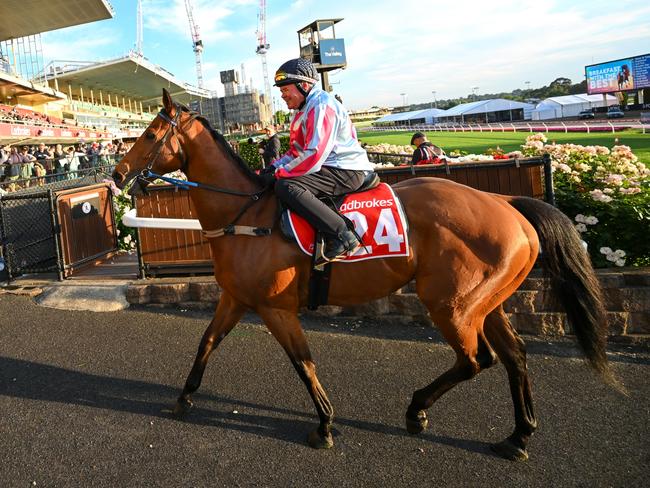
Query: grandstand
68,102
122,95
30,110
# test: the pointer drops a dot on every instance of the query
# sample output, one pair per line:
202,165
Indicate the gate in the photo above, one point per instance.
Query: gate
56,232
88,230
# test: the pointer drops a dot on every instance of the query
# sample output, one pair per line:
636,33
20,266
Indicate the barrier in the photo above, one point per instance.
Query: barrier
164,248
56,231
537,126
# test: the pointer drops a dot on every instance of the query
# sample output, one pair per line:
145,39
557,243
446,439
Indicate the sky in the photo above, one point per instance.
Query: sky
398,51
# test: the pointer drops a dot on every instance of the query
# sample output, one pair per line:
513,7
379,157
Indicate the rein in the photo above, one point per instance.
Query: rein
146,174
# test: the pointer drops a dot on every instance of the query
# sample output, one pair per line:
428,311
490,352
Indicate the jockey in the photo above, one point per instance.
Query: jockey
324,159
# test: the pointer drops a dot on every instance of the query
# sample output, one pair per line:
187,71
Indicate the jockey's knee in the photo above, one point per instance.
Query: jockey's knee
287,190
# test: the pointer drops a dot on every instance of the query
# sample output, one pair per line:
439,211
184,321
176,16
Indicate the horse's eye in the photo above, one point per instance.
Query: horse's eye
150,135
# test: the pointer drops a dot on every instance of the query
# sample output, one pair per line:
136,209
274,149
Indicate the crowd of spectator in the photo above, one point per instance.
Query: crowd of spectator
25,166
13,114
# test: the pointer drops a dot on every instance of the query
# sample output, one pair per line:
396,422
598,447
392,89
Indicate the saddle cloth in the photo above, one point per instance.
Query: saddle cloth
378,218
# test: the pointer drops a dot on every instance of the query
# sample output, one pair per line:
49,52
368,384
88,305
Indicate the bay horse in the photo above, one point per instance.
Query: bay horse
469,251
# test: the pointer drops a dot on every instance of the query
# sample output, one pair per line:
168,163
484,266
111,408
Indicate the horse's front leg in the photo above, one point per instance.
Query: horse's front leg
286,328
225,318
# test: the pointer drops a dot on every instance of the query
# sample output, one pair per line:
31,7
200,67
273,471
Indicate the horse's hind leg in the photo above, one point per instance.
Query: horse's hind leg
286,328
473,354
226,316
512,353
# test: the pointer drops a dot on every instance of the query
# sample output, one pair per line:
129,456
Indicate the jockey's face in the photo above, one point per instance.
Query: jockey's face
291,96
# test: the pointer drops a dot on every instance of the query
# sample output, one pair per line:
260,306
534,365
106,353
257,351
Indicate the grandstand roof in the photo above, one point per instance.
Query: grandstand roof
132,76
19,90
27,17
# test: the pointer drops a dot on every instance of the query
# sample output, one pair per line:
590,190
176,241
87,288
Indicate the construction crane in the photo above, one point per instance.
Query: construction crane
262,48
197,43
139,30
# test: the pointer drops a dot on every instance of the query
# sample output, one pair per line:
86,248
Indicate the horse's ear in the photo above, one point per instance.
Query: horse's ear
167,102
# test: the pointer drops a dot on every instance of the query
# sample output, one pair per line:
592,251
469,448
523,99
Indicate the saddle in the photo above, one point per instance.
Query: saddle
370,181
373,211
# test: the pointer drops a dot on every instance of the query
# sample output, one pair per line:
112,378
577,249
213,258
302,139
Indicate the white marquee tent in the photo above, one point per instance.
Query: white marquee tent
426,116
570,105
495,110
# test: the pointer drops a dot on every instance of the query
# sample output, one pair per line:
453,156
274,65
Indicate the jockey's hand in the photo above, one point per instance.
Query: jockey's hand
270,169
267,175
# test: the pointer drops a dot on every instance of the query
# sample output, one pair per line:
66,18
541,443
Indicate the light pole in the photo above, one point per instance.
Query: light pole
527,85
403,99
474,91
433,104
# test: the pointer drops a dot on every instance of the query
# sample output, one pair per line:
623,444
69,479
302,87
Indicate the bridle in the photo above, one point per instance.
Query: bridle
145,176
172,128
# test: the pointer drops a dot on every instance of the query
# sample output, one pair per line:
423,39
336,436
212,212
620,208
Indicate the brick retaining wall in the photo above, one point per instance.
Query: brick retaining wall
627,294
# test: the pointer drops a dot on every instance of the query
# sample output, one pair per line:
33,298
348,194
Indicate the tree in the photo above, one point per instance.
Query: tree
559,86
561,82
281,117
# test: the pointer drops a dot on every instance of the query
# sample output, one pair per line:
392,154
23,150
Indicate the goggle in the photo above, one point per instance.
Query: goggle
282,76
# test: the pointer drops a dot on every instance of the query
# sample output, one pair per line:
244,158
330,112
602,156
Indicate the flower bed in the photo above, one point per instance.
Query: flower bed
605,191
607,194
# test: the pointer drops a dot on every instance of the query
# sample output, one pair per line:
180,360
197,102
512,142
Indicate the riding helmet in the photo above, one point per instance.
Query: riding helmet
296,71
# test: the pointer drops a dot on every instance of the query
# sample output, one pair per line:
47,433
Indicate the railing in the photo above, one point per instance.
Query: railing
55,231
529,126
81,176
186,251
530,177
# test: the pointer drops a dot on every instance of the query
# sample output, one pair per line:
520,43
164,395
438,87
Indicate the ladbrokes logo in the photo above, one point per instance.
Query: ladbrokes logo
357,205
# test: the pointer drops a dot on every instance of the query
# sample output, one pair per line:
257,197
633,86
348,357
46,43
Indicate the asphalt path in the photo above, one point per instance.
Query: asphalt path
85,400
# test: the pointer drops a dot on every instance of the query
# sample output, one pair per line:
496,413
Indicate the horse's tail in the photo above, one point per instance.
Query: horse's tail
572,278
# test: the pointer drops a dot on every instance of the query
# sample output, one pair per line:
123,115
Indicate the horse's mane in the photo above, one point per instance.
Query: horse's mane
224,144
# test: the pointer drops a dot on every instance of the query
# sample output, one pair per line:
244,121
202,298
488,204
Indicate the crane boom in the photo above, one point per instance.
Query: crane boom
139,30
197,43
262,48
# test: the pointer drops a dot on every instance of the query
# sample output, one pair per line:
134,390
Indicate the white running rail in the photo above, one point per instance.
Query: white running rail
131,219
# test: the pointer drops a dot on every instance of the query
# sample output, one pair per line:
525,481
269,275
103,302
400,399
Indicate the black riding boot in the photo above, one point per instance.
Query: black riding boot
339,246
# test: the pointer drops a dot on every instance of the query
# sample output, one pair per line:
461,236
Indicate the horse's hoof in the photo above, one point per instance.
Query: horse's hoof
317,441
506,449
182,407
415,426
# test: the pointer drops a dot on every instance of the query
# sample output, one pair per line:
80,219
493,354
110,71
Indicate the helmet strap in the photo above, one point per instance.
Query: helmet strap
303,92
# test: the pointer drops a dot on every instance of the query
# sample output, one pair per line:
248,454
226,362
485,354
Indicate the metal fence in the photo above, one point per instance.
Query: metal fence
29,225
57,181
28,230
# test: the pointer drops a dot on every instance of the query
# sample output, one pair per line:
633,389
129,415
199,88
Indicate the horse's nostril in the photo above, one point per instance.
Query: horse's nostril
117,176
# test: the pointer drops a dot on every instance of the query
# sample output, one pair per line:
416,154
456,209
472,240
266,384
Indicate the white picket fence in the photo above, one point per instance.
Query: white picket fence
533,126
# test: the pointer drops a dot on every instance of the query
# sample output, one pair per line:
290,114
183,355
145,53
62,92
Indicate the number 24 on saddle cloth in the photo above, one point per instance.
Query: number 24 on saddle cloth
378,218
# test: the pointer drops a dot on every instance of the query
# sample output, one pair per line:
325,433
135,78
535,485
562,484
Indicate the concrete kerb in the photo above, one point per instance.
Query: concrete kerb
627,293
94,296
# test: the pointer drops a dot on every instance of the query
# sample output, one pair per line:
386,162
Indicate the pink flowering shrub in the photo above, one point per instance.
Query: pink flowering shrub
606,193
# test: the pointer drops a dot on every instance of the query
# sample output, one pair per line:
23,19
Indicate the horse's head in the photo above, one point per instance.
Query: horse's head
158,149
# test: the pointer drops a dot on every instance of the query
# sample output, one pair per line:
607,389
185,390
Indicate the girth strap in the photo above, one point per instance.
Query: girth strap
231,230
